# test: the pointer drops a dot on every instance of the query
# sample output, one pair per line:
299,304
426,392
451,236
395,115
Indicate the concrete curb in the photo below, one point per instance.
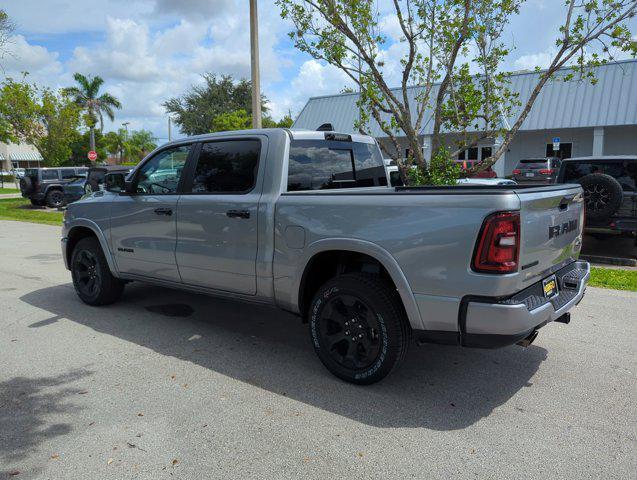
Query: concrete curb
617,261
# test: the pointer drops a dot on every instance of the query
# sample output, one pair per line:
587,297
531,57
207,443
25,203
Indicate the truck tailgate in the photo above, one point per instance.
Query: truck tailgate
551,229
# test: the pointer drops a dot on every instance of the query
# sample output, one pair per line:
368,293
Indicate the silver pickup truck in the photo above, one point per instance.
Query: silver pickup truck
306,221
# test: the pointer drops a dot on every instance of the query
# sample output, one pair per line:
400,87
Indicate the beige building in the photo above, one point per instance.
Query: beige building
18,156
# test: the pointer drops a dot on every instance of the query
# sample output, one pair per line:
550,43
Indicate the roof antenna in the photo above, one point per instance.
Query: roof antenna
326,127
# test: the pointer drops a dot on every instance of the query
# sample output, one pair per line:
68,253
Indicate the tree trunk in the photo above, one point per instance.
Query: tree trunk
92,139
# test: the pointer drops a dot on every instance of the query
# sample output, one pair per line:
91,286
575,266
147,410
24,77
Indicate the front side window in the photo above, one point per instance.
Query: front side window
227,166
320,165
160,175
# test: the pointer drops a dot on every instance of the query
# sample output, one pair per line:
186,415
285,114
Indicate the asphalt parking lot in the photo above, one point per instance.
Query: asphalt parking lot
169,384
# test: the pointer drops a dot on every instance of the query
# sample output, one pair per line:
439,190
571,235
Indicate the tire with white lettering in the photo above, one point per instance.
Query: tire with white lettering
358,327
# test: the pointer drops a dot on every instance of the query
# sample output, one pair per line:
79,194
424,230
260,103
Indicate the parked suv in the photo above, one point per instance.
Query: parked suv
610,191
46,185
537,170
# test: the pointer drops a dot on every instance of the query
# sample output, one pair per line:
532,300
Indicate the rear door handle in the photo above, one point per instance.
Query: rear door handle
238,213
164,211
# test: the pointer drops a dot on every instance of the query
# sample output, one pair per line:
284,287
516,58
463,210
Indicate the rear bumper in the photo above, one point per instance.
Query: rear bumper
490,323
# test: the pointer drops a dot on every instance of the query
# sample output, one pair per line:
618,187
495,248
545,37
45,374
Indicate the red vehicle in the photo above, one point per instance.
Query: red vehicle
467,164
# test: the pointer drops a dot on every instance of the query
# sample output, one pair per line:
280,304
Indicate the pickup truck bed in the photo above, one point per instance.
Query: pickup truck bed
320,233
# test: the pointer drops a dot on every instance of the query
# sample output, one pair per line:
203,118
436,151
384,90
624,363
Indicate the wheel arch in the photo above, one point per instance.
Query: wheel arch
325,252
86,228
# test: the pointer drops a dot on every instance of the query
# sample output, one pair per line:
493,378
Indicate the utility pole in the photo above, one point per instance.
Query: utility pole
254,52
121,150
126,124
169,130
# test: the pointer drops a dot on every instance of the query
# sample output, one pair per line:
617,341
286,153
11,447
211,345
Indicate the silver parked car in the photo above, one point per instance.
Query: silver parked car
307,221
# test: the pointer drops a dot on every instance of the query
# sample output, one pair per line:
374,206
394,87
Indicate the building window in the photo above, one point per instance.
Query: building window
485,152
469,154
565,151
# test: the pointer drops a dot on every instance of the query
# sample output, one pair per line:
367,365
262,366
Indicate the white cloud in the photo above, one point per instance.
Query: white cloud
193,9
125,55
21,56
533,60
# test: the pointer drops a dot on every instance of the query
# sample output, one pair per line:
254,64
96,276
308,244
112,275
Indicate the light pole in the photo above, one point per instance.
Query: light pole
254,53
121,150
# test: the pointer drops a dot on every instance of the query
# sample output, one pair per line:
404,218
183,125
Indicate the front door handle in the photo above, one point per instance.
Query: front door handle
238,213
164,211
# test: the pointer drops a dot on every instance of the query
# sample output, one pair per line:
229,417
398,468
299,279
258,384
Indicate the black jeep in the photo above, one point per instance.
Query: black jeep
46,185
610,191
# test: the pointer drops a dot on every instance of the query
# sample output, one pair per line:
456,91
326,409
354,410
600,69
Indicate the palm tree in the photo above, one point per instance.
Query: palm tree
85,95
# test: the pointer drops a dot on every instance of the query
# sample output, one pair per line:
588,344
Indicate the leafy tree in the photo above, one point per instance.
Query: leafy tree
41,118
78,148
236,120
115,143
86,96
442,40
139,143
6,29
286,122
195,111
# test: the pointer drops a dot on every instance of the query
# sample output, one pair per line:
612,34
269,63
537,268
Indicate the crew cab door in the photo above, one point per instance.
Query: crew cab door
217,215
143,222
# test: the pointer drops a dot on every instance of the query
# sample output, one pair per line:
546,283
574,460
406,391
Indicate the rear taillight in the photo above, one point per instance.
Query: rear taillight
516,171
546,171
498,246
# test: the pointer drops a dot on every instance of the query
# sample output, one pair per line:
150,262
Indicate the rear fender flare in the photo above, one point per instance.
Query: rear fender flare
373,250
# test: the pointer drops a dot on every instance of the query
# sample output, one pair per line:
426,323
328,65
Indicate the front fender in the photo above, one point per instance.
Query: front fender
368,248
67,233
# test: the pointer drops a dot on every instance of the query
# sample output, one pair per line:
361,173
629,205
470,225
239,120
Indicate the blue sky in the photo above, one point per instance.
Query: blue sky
150,50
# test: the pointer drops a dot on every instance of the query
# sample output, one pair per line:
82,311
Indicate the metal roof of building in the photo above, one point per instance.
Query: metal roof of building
573,104
26,156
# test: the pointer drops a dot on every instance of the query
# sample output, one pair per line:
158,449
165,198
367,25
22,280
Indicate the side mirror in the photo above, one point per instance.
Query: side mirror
114,182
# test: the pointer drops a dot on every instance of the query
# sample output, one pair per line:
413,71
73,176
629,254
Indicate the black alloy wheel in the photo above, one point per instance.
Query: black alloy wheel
93,281
351,332
358,327
596,197
88,274
55,199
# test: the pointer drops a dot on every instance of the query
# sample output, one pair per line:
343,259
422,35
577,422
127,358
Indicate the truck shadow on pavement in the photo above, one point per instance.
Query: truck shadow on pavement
25,404
437,387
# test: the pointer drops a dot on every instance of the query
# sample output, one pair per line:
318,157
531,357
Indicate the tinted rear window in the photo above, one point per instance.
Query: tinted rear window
321,164
49,175
533,163
624,172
